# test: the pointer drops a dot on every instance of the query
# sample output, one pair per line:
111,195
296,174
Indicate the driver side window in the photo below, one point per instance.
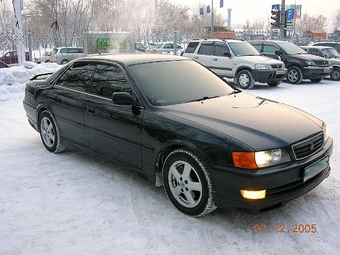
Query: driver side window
220,49
108,79
270,49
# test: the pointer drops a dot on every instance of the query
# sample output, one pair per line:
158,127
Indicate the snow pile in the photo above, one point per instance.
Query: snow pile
13,79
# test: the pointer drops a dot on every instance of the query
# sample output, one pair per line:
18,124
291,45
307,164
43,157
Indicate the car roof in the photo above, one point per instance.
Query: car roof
319,43
132,59
316,47
272,41
216,40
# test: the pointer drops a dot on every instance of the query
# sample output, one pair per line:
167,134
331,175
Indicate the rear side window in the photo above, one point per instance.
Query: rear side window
78,77
72,50
206,49
191,47
63,50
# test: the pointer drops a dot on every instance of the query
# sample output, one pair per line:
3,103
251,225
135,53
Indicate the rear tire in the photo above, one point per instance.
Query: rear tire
188,184
245,79
49,133
294,75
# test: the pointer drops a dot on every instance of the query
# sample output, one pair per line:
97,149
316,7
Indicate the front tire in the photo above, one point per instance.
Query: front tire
245,79
49,133
335,74
188,184
294,75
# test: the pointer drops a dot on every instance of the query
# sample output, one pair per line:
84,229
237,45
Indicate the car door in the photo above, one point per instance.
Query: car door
110,129
67,98
222,64
204,54
269,50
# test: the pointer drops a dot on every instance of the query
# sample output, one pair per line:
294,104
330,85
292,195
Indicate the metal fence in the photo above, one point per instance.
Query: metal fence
39,41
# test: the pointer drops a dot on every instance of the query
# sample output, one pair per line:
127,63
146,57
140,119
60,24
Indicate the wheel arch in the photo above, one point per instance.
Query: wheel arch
241,68
165,151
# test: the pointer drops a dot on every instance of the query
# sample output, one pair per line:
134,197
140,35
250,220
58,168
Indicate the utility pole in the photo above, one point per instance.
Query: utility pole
212,19
282,19
18,6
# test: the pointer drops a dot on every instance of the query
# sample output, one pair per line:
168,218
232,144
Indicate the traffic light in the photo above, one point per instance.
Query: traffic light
276,18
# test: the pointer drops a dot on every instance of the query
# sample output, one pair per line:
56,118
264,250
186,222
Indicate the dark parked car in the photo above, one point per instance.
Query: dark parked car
11,57
299,63
335,45
185,128
327,52
3,65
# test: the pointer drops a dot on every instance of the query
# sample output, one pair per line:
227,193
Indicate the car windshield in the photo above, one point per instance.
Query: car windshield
291,48
243,49
175,82
159,45
330,53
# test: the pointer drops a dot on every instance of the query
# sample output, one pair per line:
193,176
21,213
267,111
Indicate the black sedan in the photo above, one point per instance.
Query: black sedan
177,124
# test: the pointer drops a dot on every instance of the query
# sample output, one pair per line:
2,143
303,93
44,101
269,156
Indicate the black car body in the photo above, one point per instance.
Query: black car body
331,54
176,123
299,63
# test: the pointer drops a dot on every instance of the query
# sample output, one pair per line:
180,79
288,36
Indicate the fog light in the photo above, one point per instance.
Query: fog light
252,194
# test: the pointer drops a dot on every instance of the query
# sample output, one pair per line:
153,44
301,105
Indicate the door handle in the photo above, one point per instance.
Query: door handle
90,110
214,59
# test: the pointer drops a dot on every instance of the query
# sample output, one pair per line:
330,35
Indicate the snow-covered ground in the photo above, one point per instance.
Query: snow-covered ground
73,203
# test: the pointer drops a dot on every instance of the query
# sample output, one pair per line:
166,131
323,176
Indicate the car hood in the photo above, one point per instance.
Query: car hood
334,61
257,122
258,59
307,56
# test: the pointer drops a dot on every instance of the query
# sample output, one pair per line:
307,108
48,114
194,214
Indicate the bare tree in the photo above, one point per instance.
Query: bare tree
336,21
311,23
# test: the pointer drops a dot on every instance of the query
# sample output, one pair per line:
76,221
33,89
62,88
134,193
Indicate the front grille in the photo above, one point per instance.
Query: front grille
322,63
308,147
277,66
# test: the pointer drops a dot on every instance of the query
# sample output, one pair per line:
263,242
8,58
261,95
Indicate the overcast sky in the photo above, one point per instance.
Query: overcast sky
252,10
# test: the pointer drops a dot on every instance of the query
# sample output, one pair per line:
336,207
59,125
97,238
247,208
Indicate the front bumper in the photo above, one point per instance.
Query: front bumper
316,72
266,76
282,183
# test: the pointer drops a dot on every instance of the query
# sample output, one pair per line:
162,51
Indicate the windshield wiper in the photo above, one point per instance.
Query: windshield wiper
203,98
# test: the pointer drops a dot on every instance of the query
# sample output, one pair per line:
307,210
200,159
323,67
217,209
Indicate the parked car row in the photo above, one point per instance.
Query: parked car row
265,61
167,48
299,63
236,59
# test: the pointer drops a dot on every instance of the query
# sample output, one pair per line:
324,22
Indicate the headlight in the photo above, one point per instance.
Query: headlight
325,133
261,66
311,63
254,160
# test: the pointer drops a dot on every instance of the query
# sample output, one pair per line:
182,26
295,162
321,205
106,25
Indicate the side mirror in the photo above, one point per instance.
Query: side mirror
226,54
124,98
278,52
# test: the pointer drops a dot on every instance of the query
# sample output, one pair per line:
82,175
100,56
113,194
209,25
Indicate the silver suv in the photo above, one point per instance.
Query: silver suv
63,55
238,60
